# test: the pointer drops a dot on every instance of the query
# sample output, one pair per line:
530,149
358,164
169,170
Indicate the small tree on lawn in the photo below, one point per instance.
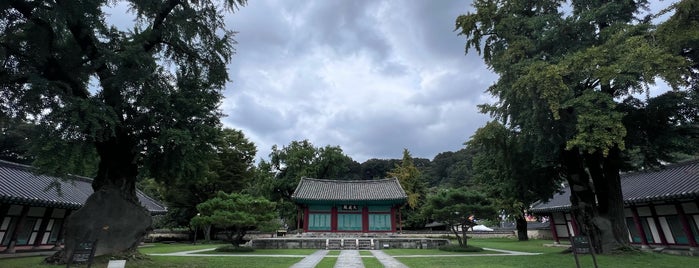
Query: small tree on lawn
235,213
455,207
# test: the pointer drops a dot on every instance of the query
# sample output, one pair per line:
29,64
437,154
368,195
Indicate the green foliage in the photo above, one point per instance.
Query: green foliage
409,177
451,169
237,213
454,207
561,76
662,129
680,36
302,159
144,97
229,169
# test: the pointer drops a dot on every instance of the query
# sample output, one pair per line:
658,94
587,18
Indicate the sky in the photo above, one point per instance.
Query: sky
373,77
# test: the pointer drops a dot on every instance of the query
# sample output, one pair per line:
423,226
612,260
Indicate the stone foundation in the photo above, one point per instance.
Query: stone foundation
347,243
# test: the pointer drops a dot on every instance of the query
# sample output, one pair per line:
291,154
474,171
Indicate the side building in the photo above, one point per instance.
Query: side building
33,207
661,208
355,206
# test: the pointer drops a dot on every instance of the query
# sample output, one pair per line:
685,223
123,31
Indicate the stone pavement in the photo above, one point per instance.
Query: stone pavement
349,259
312,260
386,260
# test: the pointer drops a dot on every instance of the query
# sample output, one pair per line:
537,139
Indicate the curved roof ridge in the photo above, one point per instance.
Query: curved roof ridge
319,190
349,181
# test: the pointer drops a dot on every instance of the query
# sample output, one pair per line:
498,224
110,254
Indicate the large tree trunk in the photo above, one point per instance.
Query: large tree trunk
582,198
611,220
112,215
521,223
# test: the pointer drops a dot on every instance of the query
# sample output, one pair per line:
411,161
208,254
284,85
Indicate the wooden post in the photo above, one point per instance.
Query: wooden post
299,214
659,228
393,219
365,219
57,246
42,228
554,232
685,225
573,223
333,219
400,220
305,219
639,227
18,228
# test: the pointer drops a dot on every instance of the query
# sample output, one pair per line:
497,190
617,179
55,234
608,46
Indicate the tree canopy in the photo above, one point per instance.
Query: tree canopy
143,97
561,76
506,168
457,208
235,213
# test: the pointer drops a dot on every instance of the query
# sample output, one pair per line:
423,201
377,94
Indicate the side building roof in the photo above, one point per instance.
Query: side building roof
351,191
672,182
20,185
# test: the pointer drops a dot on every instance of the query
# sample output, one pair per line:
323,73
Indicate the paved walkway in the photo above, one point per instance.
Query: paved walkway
312,260
193,253
386,260
349,259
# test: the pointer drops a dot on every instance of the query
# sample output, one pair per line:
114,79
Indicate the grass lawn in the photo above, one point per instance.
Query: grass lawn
550,257
411,251
151,248
266,252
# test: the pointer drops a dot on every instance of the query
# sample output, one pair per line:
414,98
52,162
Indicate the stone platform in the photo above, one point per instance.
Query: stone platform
341,243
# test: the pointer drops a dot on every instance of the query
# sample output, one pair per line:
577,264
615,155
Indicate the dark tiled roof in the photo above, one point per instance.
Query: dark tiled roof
672,182
19,185
341,190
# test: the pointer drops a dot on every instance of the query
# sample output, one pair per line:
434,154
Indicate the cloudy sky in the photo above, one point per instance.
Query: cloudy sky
372,77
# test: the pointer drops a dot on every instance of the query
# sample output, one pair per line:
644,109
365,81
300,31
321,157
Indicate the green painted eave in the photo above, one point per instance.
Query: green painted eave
349,202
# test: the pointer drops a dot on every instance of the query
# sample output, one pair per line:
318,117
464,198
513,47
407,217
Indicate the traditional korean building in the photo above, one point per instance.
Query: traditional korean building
661,207
349,206
32,211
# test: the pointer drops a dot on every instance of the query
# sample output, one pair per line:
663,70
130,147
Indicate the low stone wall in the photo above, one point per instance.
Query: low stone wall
321,243
477,234
167,235
540,234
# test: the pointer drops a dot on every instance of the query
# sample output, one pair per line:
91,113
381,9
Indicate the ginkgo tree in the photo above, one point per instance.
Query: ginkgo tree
561,77
144,97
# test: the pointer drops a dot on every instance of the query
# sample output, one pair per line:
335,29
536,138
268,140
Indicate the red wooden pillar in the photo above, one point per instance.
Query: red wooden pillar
573,223
17,229
685,225
554,232
663,240
59,238
393,219
299,214
400,220
639,227
42,228
305,219
365,219
333,219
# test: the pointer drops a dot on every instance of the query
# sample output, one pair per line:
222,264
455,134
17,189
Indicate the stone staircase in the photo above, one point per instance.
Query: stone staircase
348,243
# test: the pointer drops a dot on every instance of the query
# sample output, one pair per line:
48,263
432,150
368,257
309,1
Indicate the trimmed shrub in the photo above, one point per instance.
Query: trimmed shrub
231,248
457,248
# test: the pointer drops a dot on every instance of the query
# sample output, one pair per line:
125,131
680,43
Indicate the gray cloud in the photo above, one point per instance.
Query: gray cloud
373,77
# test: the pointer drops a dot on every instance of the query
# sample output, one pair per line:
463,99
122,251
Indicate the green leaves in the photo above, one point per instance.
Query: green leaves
409,177
236,211
599,126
